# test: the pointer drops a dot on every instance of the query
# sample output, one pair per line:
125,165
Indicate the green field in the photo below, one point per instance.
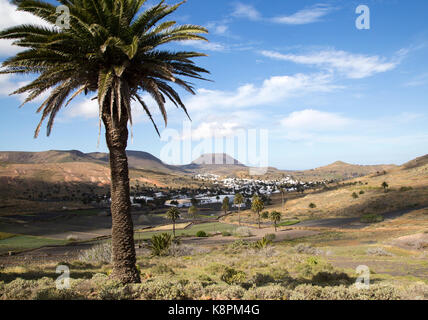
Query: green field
18,243
214,227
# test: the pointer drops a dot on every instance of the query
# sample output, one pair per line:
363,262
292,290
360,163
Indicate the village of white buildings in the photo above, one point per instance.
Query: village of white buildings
215,189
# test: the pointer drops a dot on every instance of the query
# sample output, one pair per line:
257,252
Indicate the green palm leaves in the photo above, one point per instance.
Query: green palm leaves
112,48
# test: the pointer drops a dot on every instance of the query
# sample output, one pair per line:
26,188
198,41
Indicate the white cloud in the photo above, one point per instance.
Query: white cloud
314,120
6,85
272,91
305,16
207,130
219,28
354,66
9,18
202,45
246,11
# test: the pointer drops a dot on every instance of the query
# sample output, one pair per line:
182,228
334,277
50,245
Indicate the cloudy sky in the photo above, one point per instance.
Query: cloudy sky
322,88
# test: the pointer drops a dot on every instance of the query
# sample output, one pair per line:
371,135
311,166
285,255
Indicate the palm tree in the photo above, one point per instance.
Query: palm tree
275,216
282,189
112,49
239,200
257,206
192,212
226,205
385,186
173,214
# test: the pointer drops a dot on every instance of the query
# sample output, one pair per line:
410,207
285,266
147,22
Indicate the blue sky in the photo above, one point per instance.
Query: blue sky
323,89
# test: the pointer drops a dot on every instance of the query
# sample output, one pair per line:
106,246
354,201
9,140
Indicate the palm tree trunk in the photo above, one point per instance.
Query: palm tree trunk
124,257
239,215
173,228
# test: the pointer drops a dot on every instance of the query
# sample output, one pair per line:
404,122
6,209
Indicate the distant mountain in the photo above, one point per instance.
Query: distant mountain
52,156
220,164
418,162
341,170
140,160
215,163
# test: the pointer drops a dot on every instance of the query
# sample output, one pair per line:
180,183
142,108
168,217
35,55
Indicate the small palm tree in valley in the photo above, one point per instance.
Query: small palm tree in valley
257,206
192,212
114,50
173,214
385,186
226,205
275,216
239,200
282,190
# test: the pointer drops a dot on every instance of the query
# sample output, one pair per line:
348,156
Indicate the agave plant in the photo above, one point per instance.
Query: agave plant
113,49
160,244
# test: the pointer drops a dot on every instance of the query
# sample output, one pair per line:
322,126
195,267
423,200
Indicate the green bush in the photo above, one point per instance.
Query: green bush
313,265
355,195
161,290
312,205
162,269
272,292
160,244
362,192
205,280
201,234
371,218
263,243
331,278
376,292
232,276
226,234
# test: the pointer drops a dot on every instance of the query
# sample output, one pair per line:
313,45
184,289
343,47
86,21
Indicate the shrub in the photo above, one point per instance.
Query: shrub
405,189
371,218
307,249
272,292
201,234
324,277
279,274
223,292
205,280
216,268
355,195
362,192
263,243
232,276
226,234
378,252
312,205
261,279
182,250
160,244
160,290
243,232
101,253
114,290
313,265
162,269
